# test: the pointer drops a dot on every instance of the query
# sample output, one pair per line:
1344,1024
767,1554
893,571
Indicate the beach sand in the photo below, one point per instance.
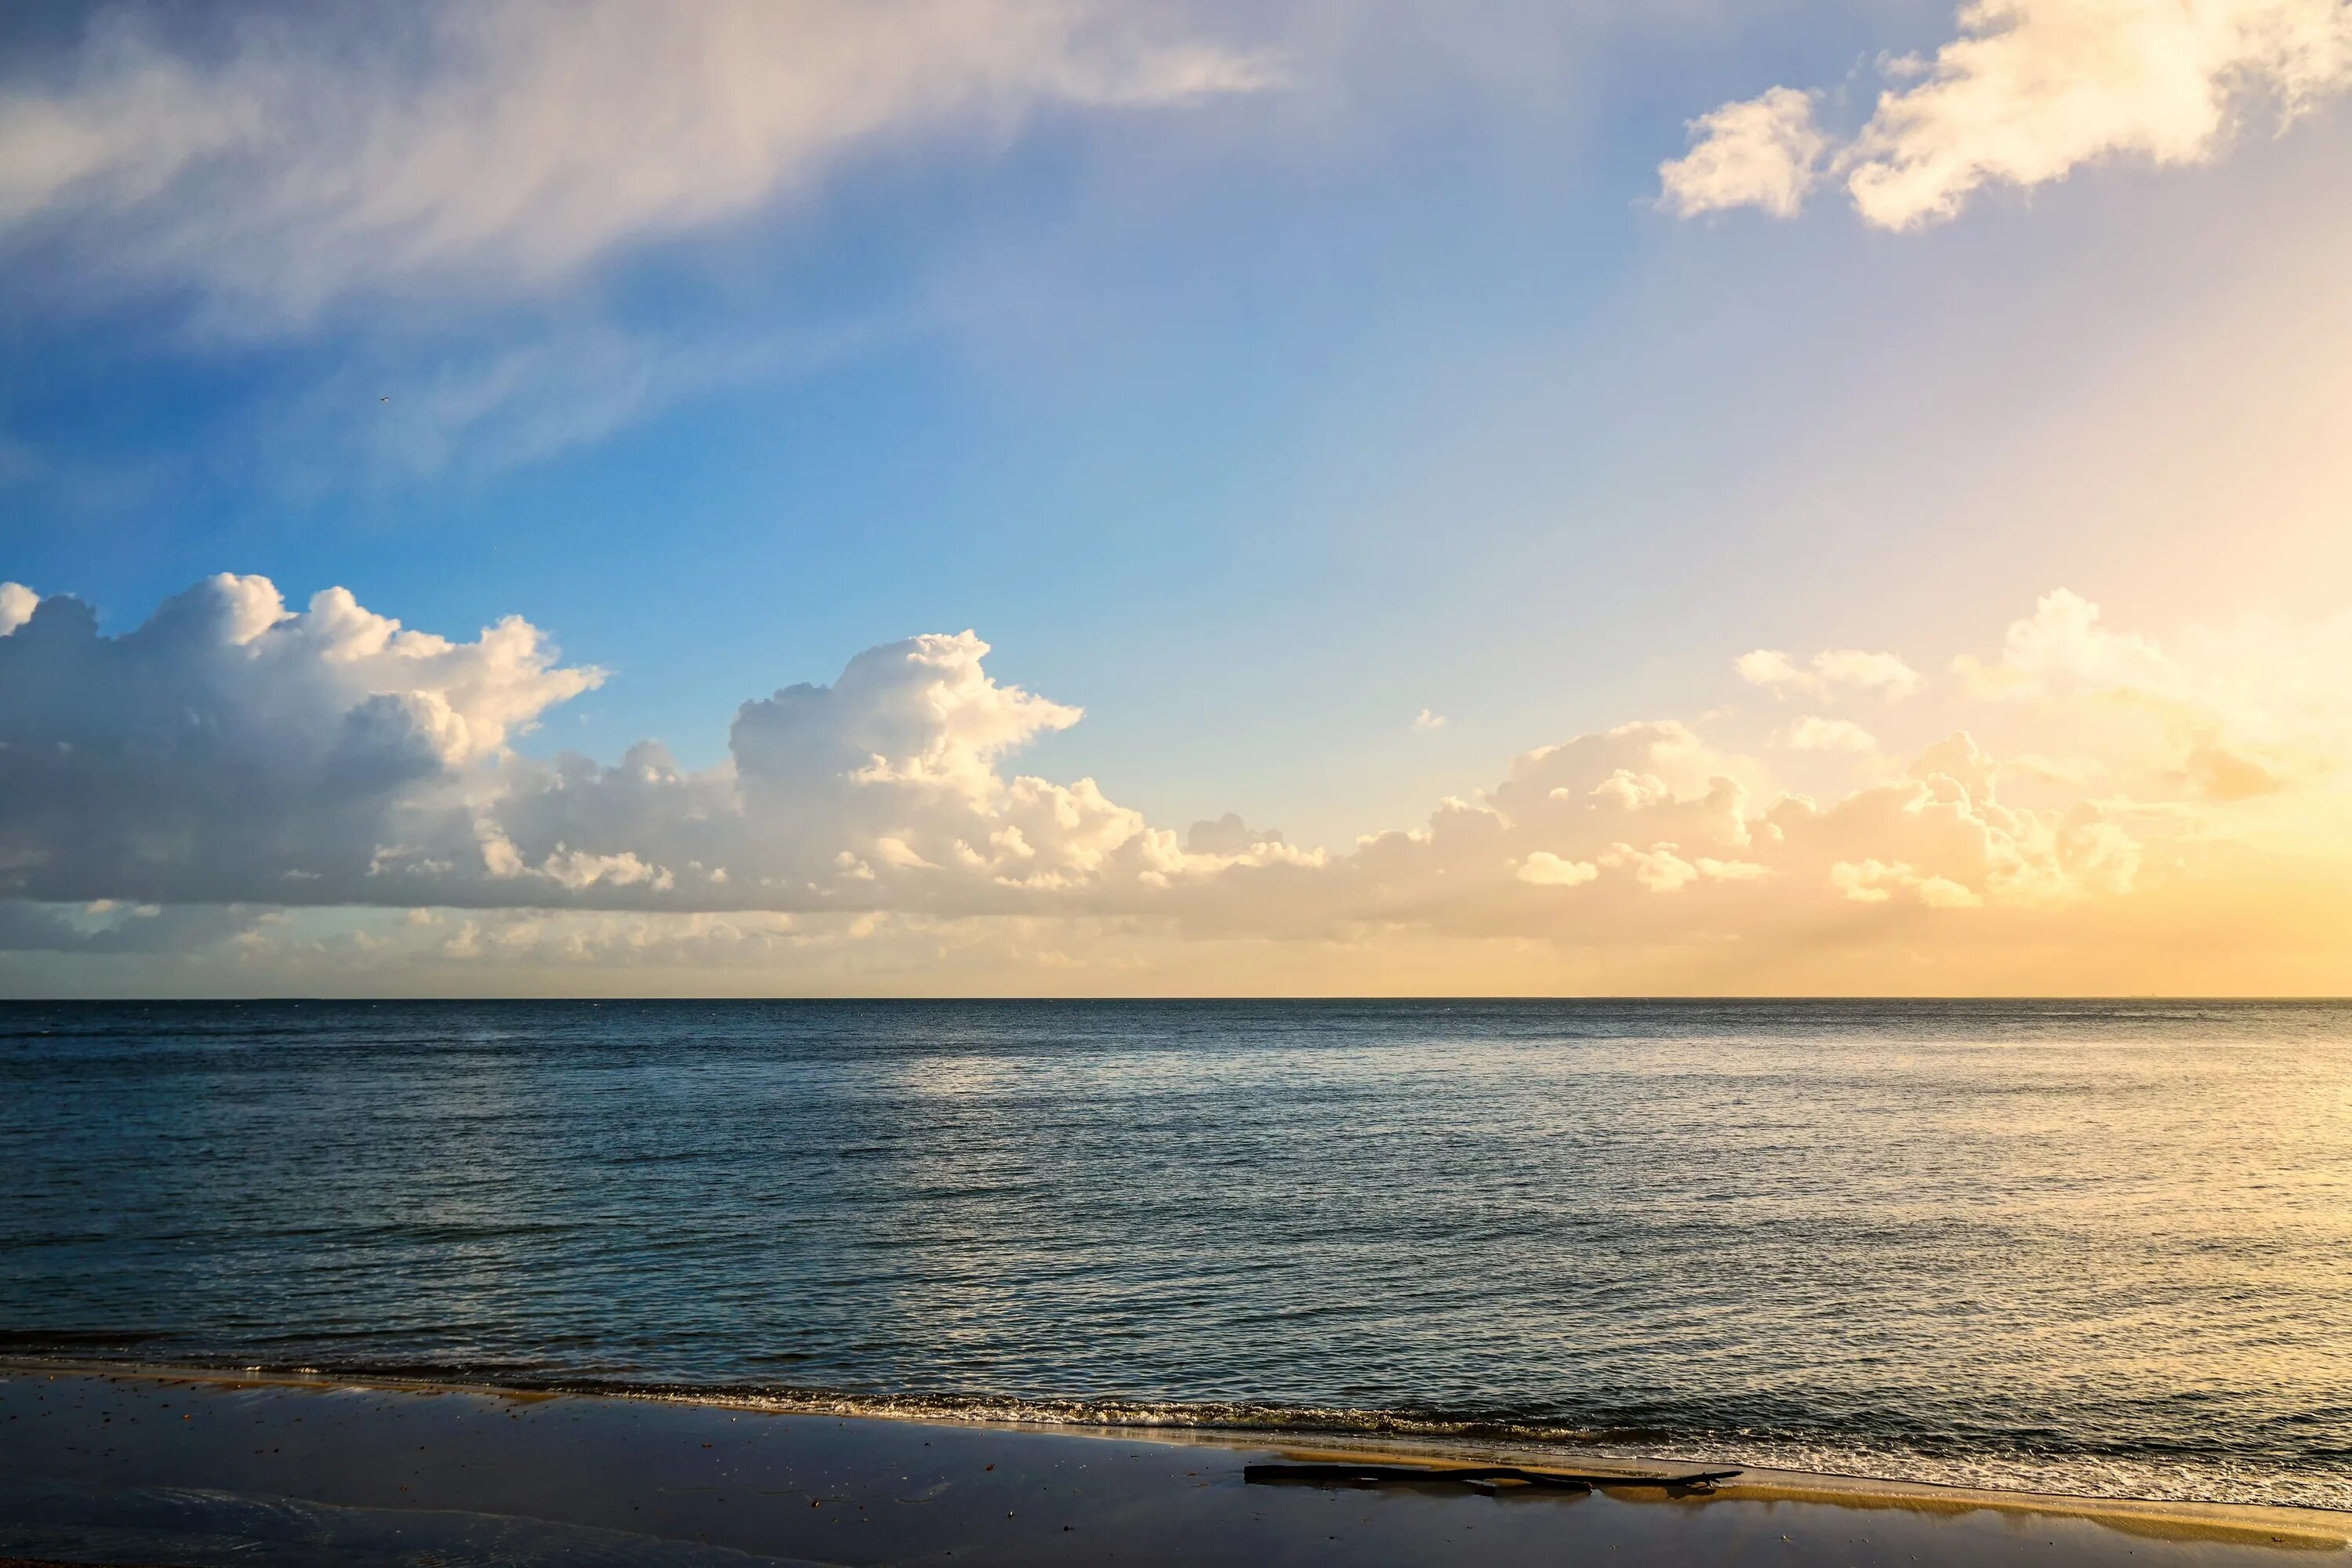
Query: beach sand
151,1467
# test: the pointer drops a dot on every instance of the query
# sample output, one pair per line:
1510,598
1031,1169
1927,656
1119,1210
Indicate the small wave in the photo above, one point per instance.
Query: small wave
2100,1476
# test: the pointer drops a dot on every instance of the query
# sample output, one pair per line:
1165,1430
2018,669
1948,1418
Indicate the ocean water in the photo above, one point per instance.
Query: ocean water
2101,1247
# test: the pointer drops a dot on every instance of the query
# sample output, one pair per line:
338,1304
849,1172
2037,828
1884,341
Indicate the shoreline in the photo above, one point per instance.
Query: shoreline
531,1480
1499,1440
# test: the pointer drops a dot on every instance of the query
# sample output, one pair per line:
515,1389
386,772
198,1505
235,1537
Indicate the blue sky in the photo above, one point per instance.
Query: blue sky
1182,428
1254,420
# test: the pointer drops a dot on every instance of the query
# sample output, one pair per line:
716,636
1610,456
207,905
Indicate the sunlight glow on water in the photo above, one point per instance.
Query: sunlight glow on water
2085,1246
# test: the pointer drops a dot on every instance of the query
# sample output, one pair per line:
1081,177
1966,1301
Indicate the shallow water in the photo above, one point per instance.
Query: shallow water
2102,1248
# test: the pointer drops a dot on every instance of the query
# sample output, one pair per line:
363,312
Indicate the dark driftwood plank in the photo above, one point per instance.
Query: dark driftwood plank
1470,1474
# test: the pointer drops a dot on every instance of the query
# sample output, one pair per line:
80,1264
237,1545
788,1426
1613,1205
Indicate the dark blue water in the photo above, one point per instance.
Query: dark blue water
2100,1248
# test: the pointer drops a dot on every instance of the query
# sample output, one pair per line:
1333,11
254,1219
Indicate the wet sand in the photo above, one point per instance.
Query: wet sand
147,1468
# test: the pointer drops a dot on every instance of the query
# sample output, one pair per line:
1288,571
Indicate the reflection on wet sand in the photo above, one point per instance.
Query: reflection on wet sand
122,1467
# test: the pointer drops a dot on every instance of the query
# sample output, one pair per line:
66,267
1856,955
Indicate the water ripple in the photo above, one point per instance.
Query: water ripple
2094,1248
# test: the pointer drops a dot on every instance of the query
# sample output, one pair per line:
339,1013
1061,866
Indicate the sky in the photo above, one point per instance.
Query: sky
1055,497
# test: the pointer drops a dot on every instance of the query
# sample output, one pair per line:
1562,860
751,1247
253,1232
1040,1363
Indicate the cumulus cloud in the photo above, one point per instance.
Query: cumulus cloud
232,753
1546,870
2029,91
231,750
16,603
1425,721
2062,649
1228,835
1645,833
2250,713
1763,153
280,162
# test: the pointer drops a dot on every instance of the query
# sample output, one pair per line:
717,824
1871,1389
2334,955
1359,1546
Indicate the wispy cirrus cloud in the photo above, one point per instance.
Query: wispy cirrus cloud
496,404
414,223
294,158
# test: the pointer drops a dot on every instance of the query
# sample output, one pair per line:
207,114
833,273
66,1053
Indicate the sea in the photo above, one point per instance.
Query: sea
2099,1247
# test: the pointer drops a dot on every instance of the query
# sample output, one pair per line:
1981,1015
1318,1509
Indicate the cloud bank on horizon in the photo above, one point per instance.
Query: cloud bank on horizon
2030,91
233,763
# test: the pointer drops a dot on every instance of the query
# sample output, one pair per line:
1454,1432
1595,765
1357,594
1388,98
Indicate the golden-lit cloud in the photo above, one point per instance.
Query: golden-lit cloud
2028,92
1833,670
1815,734
1765,153
338,790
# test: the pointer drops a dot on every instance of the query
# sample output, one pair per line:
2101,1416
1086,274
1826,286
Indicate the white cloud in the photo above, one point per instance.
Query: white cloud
286,163
576,869
1768,666
2063,647
2032,91
1814,733
1546,870
230,748
1878,672
1832,671
1763,153
1660,869
2249,713
229,752
16,603
1425,721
